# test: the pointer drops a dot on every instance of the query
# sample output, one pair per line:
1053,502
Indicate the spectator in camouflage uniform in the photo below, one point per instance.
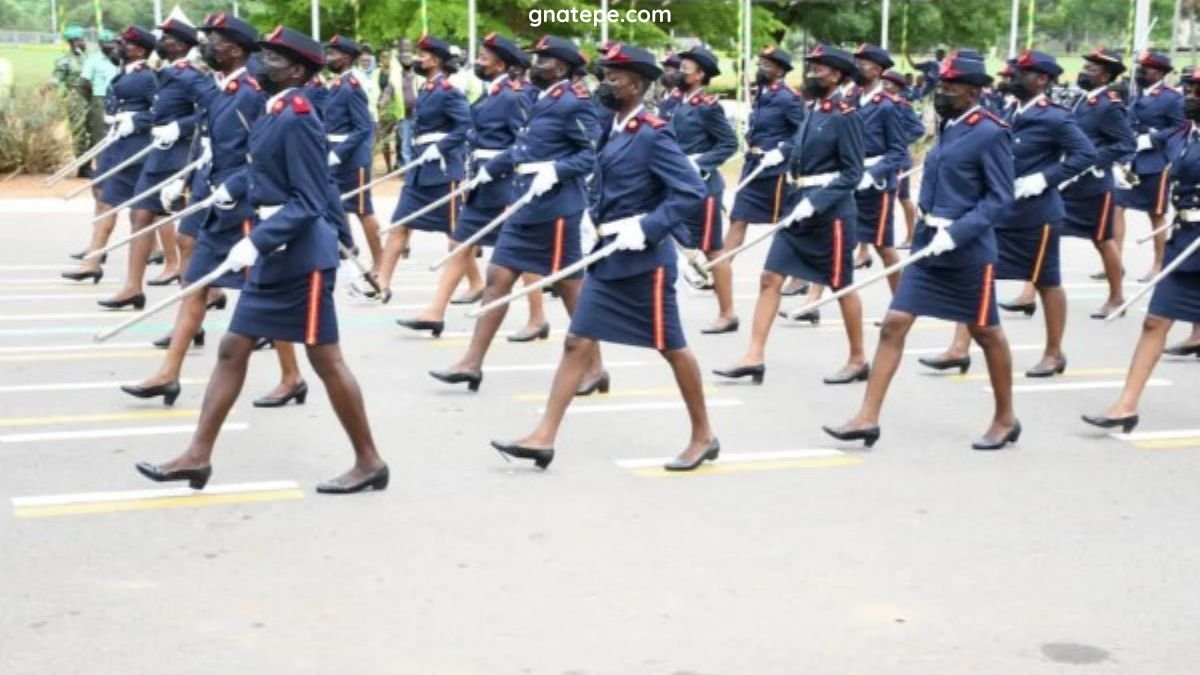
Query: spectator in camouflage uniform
66,77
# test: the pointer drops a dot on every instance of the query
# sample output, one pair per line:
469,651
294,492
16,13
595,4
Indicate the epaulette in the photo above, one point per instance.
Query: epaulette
845,108
557,91
446,86
774,86
515,85
654,122
183,65
1114,96
353,81
581,91
253,82
231,87
1043,103
989,115
298,102
675,93
337,82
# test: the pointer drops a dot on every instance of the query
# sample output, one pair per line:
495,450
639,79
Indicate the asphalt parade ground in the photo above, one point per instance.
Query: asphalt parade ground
1071,551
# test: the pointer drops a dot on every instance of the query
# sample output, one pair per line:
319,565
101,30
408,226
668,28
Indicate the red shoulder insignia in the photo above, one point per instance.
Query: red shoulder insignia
973,118
774,86
557,91
581,91
675,93
1113,96
301,105
877,98
515,85
337,82
1043,103
995,118
1093,100
655,122
711,99
277,107
232,87
826,105
846,108
183,65
428,86
632,125
253,83
1158,91
353,81
446,86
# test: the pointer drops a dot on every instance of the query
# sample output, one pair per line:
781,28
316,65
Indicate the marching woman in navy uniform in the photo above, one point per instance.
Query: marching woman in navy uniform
706,137
441,121
1155,107
351,135
643,188
238,103
292,256
1177,296
496,116
672,84
967,186
553,155
914,130
127,106
1088,201
180,88
818,245
775,118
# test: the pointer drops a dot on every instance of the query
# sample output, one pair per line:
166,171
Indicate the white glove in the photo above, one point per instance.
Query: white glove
482,176
544,180
803,211
1143,142
125,125
772,158
942,242
110,119
1119,179
165,135
333,159
866,182
431,154
171,193
205,153
695,164
222,199
1030,186
630,236
587,232
242,255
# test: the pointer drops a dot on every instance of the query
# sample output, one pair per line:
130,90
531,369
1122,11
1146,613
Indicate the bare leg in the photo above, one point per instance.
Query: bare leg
691,387
736,235
722,277
570,373
1027,295
851,306
1160,246
568,290
471,271
1110,255
101,231
1119,227
862,255
1193,339
1145,356
994,344
139,250
166,237
452,273
370,226
500,281
347,400
187,245
890,257
770,286
1054,300
187,323
385,267
910,220
537,306
887,360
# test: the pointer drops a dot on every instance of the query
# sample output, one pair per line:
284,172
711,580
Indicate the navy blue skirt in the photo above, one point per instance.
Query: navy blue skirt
120,186
704,228
542,248
441,219
211,250
820,252
1029,254
1151,194
875,217
762,200
471,219
960,294
352,179
1177,297
147,180
638,310
296,310
1089,217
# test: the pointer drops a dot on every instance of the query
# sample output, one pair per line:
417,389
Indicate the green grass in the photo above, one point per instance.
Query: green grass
31,65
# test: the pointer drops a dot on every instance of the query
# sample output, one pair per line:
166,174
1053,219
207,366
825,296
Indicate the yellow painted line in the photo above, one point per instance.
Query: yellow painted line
50,420
199,499
458,343
1070,372
82,356
713,468
1168,443
619,393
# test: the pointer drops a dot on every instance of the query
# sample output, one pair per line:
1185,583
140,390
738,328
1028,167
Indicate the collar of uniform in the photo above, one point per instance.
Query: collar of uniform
1097,91
691,95
130,67
222,81
180,62
961,117
271,101
619,123
431,83
847,88
551,88
494,85
812,103
1022,107
1153,87
868,95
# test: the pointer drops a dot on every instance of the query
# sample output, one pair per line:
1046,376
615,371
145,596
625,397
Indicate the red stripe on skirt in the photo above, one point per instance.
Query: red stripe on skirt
559,227
884,213
314,308
660,338
246,233
706,239
1160,204
1102,226
1041,256
837,254
453,211
985,302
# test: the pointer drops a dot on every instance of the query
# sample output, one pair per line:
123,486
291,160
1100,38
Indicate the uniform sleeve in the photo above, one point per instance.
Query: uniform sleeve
996,167
685,190
308,179
795,117
459,112
580,129
1175,112
142,121
724,140
361,126
1119,145
1078,153
897,149
913,126
248,109
850,158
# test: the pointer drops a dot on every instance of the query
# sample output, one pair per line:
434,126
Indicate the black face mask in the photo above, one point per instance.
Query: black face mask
421,70
671,80
761,78
946,106
607,96
1086,82
815,88
1020,90
273,80
481,73
1004,88
542,77
162,53
1142,79
209,54
1191,108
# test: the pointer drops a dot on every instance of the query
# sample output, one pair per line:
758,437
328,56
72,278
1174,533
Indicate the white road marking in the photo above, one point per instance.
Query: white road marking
583,409
1156,435
737,457
111,433
1078,386
79,386
161,493
55,296
542,367
114,314
56,281
921,351
35,349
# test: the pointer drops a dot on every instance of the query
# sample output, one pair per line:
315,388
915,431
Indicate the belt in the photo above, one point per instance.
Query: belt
534,167
1188,215
483,153
425,139
338,138
872,161
266,211
816,180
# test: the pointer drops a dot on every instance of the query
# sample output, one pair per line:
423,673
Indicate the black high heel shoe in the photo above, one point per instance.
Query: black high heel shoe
600,384
81,275
789,291
812,316
864,264
434,327
963,363
163,282
868,436
1127,423
1011,437
1182,350
473,378
219,303
859,375
542,333
1042,371
541,458
376,481
196,478
730,326
299,393
156,258
756,373
710,454
263,343
468,299
169,391
165,341
83,254
138,302
1026,308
